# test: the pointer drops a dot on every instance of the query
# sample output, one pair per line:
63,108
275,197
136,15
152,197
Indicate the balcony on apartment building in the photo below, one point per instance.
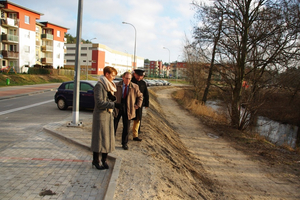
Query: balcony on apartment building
10,22
47,60
47,36
9,38
10,54
47,48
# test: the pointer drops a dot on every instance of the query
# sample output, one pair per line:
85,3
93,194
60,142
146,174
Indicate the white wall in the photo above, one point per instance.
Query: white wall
26,43
58,54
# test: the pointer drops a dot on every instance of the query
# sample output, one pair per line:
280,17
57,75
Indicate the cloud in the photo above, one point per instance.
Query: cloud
158,23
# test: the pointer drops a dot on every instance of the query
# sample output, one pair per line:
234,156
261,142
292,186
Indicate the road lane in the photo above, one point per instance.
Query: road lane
24,107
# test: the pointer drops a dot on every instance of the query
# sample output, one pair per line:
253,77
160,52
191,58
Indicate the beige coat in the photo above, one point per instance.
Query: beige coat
134,97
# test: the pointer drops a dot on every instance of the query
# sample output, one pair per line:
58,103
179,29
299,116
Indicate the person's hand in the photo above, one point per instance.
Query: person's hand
111,97
118,105
136,106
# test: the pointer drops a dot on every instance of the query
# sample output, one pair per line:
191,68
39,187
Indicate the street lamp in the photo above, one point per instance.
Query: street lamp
134,42
92,39
87,59
169,55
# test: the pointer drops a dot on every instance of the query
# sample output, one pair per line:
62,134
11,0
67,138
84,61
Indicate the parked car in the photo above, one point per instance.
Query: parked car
149,82
64,94
165,82
117,80
158,83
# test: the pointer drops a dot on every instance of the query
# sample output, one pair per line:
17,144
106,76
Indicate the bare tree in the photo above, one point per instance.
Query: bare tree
258,40
195,68
206,35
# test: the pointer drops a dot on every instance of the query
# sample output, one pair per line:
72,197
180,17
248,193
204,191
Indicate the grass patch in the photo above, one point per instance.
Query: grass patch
30,79
183,97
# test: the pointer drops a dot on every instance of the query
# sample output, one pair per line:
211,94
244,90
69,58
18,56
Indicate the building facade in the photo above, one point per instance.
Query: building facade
174,70
94,57
26,42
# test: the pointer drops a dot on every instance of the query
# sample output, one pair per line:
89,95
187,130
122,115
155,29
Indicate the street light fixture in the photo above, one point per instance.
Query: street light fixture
92,39
87,59
169,55
134,43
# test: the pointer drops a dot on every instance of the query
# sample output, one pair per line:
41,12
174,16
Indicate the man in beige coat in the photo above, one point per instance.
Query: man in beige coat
129,95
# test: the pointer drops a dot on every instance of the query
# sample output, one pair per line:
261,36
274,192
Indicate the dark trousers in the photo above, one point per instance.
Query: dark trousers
126,124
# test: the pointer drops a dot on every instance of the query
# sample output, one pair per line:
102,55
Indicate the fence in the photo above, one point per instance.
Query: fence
64,72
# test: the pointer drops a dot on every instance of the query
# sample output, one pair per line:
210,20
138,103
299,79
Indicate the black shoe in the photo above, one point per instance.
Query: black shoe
99,167
105,165
137,139
125,147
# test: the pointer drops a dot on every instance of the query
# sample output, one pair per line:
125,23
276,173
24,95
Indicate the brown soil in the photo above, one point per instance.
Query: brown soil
181,158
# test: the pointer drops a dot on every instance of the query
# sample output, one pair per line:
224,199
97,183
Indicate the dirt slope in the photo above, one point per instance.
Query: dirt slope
180,158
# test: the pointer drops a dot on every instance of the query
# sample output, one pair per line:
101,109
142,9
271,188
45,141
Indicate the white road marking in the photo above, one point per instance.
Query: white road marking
24,107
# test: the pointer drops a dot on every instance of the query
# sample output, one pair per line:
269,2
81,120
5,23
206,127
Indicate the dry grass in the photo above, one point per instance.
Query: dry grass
196,108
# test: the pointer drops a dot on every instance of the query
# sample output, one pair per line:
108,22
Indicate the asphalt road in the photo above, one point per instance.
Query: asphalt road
24,116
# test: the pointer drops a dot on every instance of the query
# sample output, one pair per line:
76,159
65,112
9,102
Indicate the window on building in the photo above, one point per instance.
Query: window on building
71,48
13,48
27,49
70,61
58,33
70,54
27,19
27,34
83,54
83,48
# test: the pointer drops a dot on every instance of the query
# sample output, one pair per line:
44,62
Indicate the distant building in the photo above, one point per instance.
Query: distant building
94,57
25,42
174,70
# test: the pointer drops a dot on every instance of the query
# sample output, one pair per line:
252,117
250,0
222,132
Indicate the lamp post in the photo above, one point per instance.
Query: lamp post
169,55
87,59
134,42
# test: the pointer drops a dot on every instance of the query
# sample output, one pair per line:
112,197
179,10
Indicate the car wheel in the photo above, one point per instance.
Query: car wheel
61,104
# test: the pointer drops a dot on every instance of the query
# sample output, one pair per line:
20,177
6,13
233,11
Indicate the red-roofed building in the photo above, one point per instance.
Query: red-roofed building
26,42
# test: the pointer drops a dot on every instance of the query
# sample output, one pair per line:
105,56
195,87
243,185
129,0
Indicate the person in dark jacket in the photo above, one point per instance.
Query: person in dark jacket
103,137
129,95
138,79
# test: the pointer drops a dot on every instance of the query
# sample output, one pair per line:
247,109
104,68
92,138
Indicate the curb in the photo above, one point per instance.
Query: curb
110,191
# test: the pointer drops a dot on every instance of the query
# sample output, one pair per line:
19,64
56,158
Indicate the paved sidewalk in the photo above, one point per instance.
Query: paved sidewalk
56,162
8,92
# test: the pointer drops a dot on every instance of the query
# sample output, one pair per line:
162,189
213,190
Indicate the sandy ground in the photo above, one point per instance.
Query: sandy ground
180,158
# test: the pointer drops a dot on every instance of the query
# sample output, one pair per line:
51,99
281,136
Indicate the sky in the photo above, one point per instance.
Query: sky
158,23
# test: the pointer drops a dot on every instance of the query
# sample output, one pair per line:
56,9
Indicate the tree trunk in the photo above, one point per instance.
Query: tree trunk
208,82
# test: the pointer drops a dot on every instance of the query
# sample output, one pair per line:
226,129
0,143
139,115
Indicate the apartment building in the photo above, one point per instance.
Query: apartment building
94,57
174,70
26,42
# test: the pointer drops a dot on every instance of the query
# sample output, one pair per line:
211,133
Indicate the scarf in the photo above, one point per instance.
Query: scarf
108,86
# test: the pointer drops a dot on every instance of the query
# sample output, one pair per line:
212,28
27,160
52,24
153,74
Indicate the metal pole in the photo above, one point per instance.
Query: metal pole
75,109
134,62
